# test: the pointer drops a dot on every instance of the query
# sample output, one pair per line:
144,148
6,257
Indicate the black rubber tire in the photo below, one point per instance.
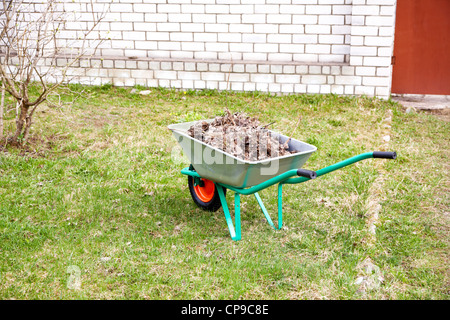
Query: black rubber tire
213,205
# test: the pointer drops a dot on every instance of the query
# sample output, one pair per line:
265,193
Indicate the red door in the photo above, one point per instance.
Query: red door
422,47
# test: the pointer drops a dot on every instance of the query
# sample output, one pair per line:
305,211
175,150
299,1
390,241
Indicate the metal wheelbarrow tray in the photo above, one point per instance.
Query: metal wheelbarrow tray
213,171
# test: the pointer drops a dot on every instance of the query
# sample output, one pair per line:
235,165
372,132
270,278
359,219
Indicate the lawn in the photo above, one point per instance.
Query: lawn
95,206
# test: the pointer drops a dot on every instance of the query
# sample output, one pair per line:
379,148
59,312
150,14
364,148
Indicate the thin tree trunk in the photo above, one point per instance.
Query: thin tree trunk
20,122
2,104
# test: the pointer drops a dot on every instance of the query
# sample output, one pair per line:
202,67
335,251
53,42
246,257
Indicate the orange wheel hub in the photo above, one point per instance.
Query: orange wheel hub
206,192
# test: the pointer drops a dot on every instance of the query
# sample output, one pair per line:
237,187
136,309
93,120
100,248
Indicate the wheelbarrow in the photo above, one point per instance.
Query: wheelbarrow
213,171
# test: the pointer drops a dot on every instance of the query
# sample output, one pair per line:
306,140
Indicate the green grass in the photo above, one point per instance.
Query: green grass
97,188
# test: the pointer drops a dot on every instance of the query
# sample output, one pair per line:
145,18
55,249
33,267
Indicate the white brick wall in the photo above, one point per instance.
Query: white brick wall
314,46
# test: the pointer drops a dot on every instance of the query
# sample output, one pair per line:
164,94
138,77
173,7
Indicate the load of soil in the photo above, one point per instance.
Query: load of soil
240,135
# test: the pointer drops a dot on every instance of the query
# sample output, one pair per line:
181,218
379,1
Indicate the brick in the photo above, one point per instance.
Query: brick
364,31
318,9
342,9
141,74
156,17
186,75
364,90
242,28
264,68
276,68
266,47
181,36
170,45
193,8
384,71
255,18
169,8
304,19
216,27
215,46
279,18
132,17
134,35
318,29
228,18
229,37
242,9
365,71
248,86
217,8
363,51
241,47
251,68
315,69
205,55
274,87
382,92
292,48
155,36
358,20
266,28
313,88
179,17
331,19
385,52
305,57
317,48
299,88
375,81
255,56
287,78
238,68
303,38
354,80
192,27
161,74
287,87
331,58
377,61
288,69
210,37
291,28
144,7
254,38
292,8
314,79
192,46
144,26
241,77
365,10
378,41
266,8
115,7
279,57
279,38
337,89
379,21
264,78
204,18
331,39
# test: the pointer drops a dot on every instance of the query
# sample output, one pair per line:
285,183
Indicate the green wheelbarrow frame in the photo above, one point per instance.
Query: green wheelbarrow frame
293,176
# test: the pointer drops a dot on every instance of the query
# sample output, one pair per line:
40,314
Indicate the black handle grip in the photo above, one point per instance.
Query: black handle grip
385,154
307,173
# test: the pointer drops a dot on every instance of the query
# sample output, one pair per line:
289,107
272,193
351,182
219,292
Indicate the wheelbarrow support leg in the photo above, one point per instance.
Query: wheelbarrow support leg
280,209
235,234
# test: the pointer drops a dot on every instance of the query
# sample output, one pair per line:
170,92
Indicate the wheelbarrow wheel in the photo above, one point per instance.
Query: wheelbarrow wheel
205,194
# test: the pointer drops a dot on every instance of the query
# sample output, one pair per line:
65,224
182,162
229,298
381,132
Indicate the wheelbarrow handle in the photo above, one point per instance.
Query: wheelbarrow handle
307,173
385,154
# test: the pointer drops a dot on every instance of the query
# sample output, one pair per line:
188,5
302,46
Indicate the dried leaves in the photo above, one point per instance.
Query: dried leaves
240,135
